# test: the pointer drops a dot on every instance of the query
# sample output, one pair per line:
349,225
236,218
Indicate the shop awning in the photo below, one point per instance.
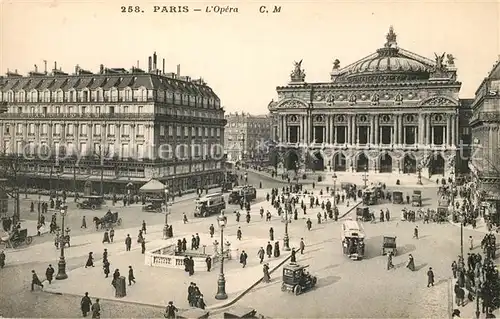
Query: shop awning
153,186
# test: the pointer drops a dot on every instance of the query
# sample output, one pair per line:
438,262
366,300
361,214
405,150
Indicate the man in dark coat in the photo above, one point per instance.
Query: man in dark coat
193,243
271,234
85,304
49,274
211,230
191,297
131,277
170,310
128,242
111,234
276,249
96,309
208,260
191,266
143,245
116,275
261,254
186,264
269,249
430,278
184,244
293,259
197,237
105,266
243,258
144,226
35,281
302,246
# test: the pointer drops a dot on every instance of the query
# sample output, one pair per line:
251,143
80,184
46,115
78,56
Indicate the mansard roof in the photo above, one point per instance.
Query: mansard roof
120,81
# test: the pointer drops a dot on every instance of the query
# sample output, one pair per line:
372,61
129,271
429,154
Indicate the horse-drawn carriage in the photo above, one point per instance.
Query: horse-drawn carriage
16,239
109,220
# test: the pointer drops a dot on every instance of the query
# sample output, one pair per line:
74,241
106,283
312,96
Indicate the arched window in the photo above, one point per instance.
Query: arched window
34,96
59,96
128,94
46,96
21,96
114,94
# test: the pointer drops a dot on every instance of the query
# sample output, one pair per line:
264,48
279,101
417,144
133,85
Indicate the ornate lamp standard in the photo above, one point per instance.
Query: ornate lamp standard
61,271
167,212
419,174
334,190
365,175
221,282
286,239
478,288
39,208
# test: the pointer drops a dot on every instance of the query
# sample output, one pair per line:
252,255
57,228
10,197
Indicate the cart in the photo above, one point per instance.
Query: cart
155,205
397,197
363,213
389,245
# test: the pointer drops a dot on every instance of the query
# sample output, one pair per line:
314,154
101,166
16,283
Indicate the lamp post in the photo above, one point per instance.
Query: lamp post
221,282
419,175
39,208
286,239
365,175
165,226
61,272
462,237
334,190
478,288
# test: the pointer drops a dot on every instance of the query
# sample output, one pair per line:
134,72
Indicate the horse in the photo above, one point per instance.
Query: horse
99,221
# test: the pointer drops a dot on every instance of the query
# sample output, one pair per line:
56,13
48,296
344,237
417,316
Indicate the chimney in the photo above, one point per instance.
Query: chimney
138,64
154,61
77,69
178,70
45,62
55,65
101,69
163,68
15,71
36,68
150,64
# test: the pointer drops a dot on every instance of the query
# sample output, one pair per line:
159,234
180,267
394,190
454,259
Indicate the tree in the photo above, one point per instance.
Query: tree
101,154
11,173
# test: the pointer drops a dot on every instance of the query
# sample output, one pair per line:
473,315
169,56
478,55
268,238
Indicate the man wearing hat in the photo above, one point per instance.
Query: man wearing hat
430,278
170,310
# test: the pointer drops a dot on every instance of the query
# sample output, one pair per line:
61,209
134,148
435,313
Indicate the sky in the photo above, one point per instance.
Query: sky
243,56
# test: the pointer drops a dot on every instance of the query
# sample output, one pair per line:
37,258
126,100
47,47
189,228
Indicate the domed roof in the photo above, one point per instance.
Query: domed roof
389,63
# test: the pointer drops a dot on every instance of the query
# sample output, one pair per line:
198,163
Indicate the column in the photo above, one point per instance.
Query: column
77,136
301,129
63,133
346,133
394,130
307,130
432,135
354,129
401,139
428,130
448,130
133,132
421,123
118,133
49,133
37,134
372,131
454,130
348,139
377,130
2,139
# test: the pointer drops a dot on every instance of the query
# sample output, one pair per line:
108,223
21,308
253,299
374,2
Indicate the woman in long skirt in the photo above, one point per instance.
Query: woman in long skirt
90,261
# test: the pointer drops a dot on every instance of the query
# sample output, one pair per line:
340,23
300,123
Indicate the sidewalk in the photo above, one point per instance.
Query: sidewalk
406,180
469,310
156,286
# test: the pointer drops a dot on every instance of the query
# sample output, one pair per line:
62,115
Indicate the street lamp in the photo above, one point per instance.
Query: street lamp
221,282
419,175
478,288
286,239
61,272
334,190
167,211
365,175
38,207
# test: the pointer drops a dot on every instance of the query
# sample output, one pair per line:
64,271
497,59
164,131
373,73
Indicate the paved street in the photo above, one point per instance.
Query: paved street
345,288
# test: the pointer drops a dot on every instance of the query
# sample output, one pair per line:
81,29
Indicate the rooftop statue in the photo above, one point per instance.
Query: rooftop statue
391,38
298,75
439,61
336,64
450,59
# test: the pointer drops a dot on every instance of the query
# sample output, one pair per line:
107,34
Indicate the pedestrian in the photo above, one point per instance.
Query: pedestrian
193,243
85,304
265,270
116,276
411,263
200,303
243,258
271,234
170,310
184,244
430,278
90,261
471,243
238,233
105,266
293,258
96,309
390,265
2,259
191,266
415,232
84,223
454,269
111,234
49,274
128,242
309,224
105,238
459,295
143,245
261,254
35,281
211,230
208,261
105,255
269,249
302,246
276,249
131,277
144,227
197,237
184,218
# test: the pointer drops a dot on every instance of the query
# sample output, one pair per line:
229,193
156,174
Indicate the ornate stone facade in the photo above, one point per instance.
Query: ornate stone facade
62,122
485,125
392,111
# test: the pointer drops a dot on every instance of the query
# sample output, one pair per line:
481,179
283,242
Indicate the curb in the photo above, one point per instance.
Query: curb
450,297
350,210
241,295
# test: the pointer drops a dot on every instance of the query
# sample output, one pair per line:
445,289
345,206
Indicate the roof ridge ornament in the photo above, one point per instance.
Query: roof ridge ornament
391,38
